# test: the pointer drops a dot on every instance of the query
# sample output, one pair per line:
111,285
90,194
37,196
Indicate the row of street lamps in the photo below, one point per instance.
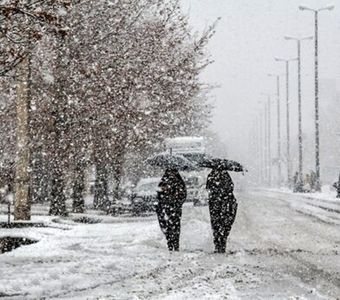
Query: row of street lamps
267,141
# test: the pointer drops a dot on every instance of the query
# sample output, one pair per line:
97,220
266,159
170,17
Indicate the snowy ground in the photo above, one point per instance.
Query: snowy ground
275,252
324,205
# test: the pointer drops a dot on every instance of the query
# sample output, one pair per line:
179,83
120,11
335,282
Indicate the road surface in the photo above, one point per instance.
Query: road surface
274,252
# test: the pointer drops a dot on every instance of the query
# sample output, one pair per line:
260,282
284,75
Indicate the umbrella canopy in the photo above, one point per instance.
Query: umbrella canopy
169,161
229,165
197,158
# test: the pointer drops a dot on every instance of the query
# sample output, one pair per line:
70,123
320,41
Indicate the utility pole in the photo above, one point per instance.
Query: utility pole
278,130
269,157
287,61
298,188
260,143
317,133
22,206
269,143
279,179
266,142
256,137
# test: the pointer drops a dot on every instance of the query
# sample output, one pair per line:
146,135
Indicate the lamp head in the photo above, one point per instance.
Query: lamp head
303,8
273,75
280,59
329,7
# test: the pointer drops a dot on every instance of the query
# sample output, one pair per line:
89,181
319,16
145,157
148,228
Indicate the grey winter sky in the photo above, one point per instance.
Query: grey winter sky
247,38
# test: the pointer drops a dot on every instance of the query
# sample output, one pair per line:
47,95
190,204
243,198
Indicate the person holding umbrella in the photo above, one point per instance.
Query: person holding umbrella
171,195
222,203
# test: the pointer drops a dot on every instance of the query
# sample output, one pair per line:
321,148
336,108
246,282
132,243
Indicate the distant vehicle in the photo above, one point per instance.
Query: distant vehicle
144,196
196,192
186,146
194,149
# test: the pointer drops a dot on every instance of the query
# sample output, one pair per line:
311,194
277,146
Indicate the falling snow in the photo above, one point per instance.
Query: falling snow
145,153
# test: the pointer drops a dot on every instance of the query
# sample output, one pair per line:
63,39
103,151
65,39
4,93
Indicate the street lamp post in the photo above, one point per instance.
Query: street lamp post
287,61
317,134
268,118
298,41
264,141
278,127
260,147
254,137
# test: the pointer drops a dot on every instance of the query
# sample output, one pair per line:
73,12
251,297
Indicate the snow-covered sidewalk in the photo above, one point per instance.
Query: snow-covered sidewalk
118,260
274,252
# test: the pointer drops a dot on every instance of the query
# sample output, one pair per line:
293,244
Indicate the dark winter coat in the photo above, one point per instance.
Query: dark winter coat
220,184
222,206
172,189
171,197
336,185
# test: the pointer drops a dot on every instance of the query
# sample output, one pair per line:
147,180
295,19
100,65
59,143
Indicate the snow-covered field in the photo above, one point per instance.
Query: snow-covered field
275,252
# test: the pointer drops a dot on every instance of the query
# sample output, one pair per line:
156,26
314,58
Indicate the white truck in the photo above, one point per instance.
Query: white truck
193,148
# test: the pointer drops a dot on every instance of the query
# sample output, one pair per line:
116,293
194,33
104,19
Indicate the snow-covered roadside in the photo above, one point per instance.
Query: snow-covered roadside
328,193
324,205
87,261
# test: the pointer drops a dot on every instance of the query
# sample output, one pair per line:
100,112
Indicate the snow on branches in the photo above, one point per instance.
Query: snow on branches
23,23
108,85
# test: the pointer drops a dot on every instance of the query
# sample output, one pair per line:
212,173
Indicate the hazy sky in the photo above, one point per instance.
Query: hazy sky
247,38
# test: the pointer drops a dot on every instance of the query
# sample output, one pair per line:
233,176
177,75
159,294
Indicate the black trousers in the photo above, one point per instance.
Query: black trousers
222,216
169,218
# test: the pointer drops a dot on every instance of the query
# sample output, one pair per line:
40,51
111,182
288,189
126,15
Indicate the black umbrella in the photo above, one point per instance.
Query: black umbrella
229,165
197,158
170,161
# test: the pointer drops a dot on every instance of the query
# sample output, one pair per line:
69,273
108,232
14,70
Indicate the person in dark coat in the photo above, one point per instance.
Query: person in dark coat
222,206
336,185
171,197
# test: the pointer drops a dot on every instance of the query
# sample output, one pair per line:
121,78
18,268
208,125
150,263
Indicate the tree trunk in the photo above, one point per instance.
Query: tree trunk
117,177
39,178
78,205
59,129
22,209
58,199
101,195
117,173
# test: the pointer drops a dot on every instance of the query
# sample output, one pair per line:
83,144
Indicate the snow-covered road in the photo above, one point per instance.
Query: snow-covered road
275,252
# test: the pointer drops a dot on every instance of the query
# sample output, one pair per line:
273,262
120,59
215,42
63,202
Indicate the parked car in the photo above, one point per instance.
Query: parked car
144,196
